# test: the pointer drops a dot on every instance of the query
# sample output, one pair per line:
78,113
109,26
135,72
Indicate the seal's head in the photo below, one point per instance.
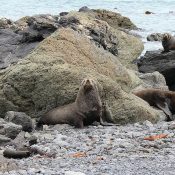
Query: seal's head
166,37
88,84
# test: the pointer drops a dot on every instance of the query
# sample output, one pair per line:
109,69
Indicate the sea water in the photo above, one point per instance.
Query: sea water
162,21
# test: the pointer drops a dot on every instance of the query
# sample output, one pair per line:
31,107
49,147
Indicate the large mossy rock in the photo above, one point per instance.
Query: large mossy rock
50,76
101,31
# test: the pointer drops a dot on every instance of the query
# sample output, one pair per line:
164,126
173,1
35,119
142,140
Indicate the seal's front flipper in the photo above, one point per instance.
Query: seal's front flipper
165,108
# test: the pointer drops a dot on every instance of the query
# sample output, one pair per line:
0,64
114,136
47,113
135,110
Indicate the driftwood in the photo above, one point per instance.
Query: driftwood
9,153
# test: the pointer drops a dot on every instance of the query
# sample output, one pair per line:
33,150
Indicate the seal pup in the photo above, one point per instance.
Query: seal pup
168,42
86,109
164,100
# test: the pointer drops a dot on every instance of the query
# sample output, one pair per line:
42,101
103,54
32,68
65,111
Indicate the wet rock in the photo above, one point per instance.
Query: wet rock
161,62
155,37
148,12
20,118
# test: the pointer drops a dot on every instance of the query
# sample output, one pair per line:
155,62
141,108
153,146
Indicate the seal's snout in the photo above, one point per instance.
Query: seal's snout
88,85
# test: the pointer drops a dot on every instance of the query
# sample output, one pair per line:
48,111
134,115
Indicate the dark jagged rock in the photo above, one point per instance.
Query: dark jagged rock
84,9
12,48
18,39
68,21
149,12
45,24
161,62
63,13
155,37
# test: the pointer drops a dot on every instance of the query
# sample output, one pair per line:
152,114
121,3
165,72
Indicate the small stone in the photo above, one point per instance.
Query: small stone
27,135
45,127
148,123
47,137
172,126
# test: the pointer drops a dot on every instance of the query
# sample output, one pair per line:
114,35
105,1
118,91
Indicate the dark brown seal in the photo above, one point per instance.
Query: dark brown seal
168,42
86,109
164,100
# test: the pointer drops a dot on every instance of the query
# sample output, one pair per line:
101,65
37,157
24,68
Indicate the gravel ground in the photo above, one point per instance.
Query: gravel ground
98,150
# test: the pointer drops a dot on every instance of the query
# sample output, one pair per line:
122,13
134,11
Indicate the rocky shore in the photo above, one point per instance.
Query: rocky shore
43,60
99,150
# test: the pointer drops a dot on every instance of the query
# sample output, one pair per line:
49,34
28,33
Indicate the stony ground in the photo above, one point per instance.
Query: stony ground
98,150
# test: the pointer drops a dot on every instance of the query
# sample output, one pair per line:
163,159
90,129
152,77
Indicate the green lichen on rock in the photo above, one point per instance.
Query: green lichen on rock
50,76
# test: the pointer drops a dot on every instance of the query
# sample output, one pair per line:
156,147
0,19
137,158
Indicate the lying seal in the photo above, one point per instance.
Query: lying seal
86,109
168,42
164,100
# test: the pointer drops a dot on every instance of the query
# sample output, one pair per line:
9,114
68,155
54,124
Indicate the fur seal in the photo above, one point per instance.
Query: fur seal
168,42
86,109
164,100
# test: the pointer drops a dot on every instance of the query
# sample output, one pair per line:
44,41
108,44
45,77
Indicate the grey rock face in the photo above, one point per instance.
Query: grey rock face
20,118
12,48
18,39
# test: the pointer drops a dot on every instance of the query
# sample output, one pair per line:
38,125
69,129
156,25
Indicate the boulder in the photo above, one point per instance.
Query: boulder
20,118
19,38
12,48
155,37
115,20
161,62
9,129
151,80
125,47
50,76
